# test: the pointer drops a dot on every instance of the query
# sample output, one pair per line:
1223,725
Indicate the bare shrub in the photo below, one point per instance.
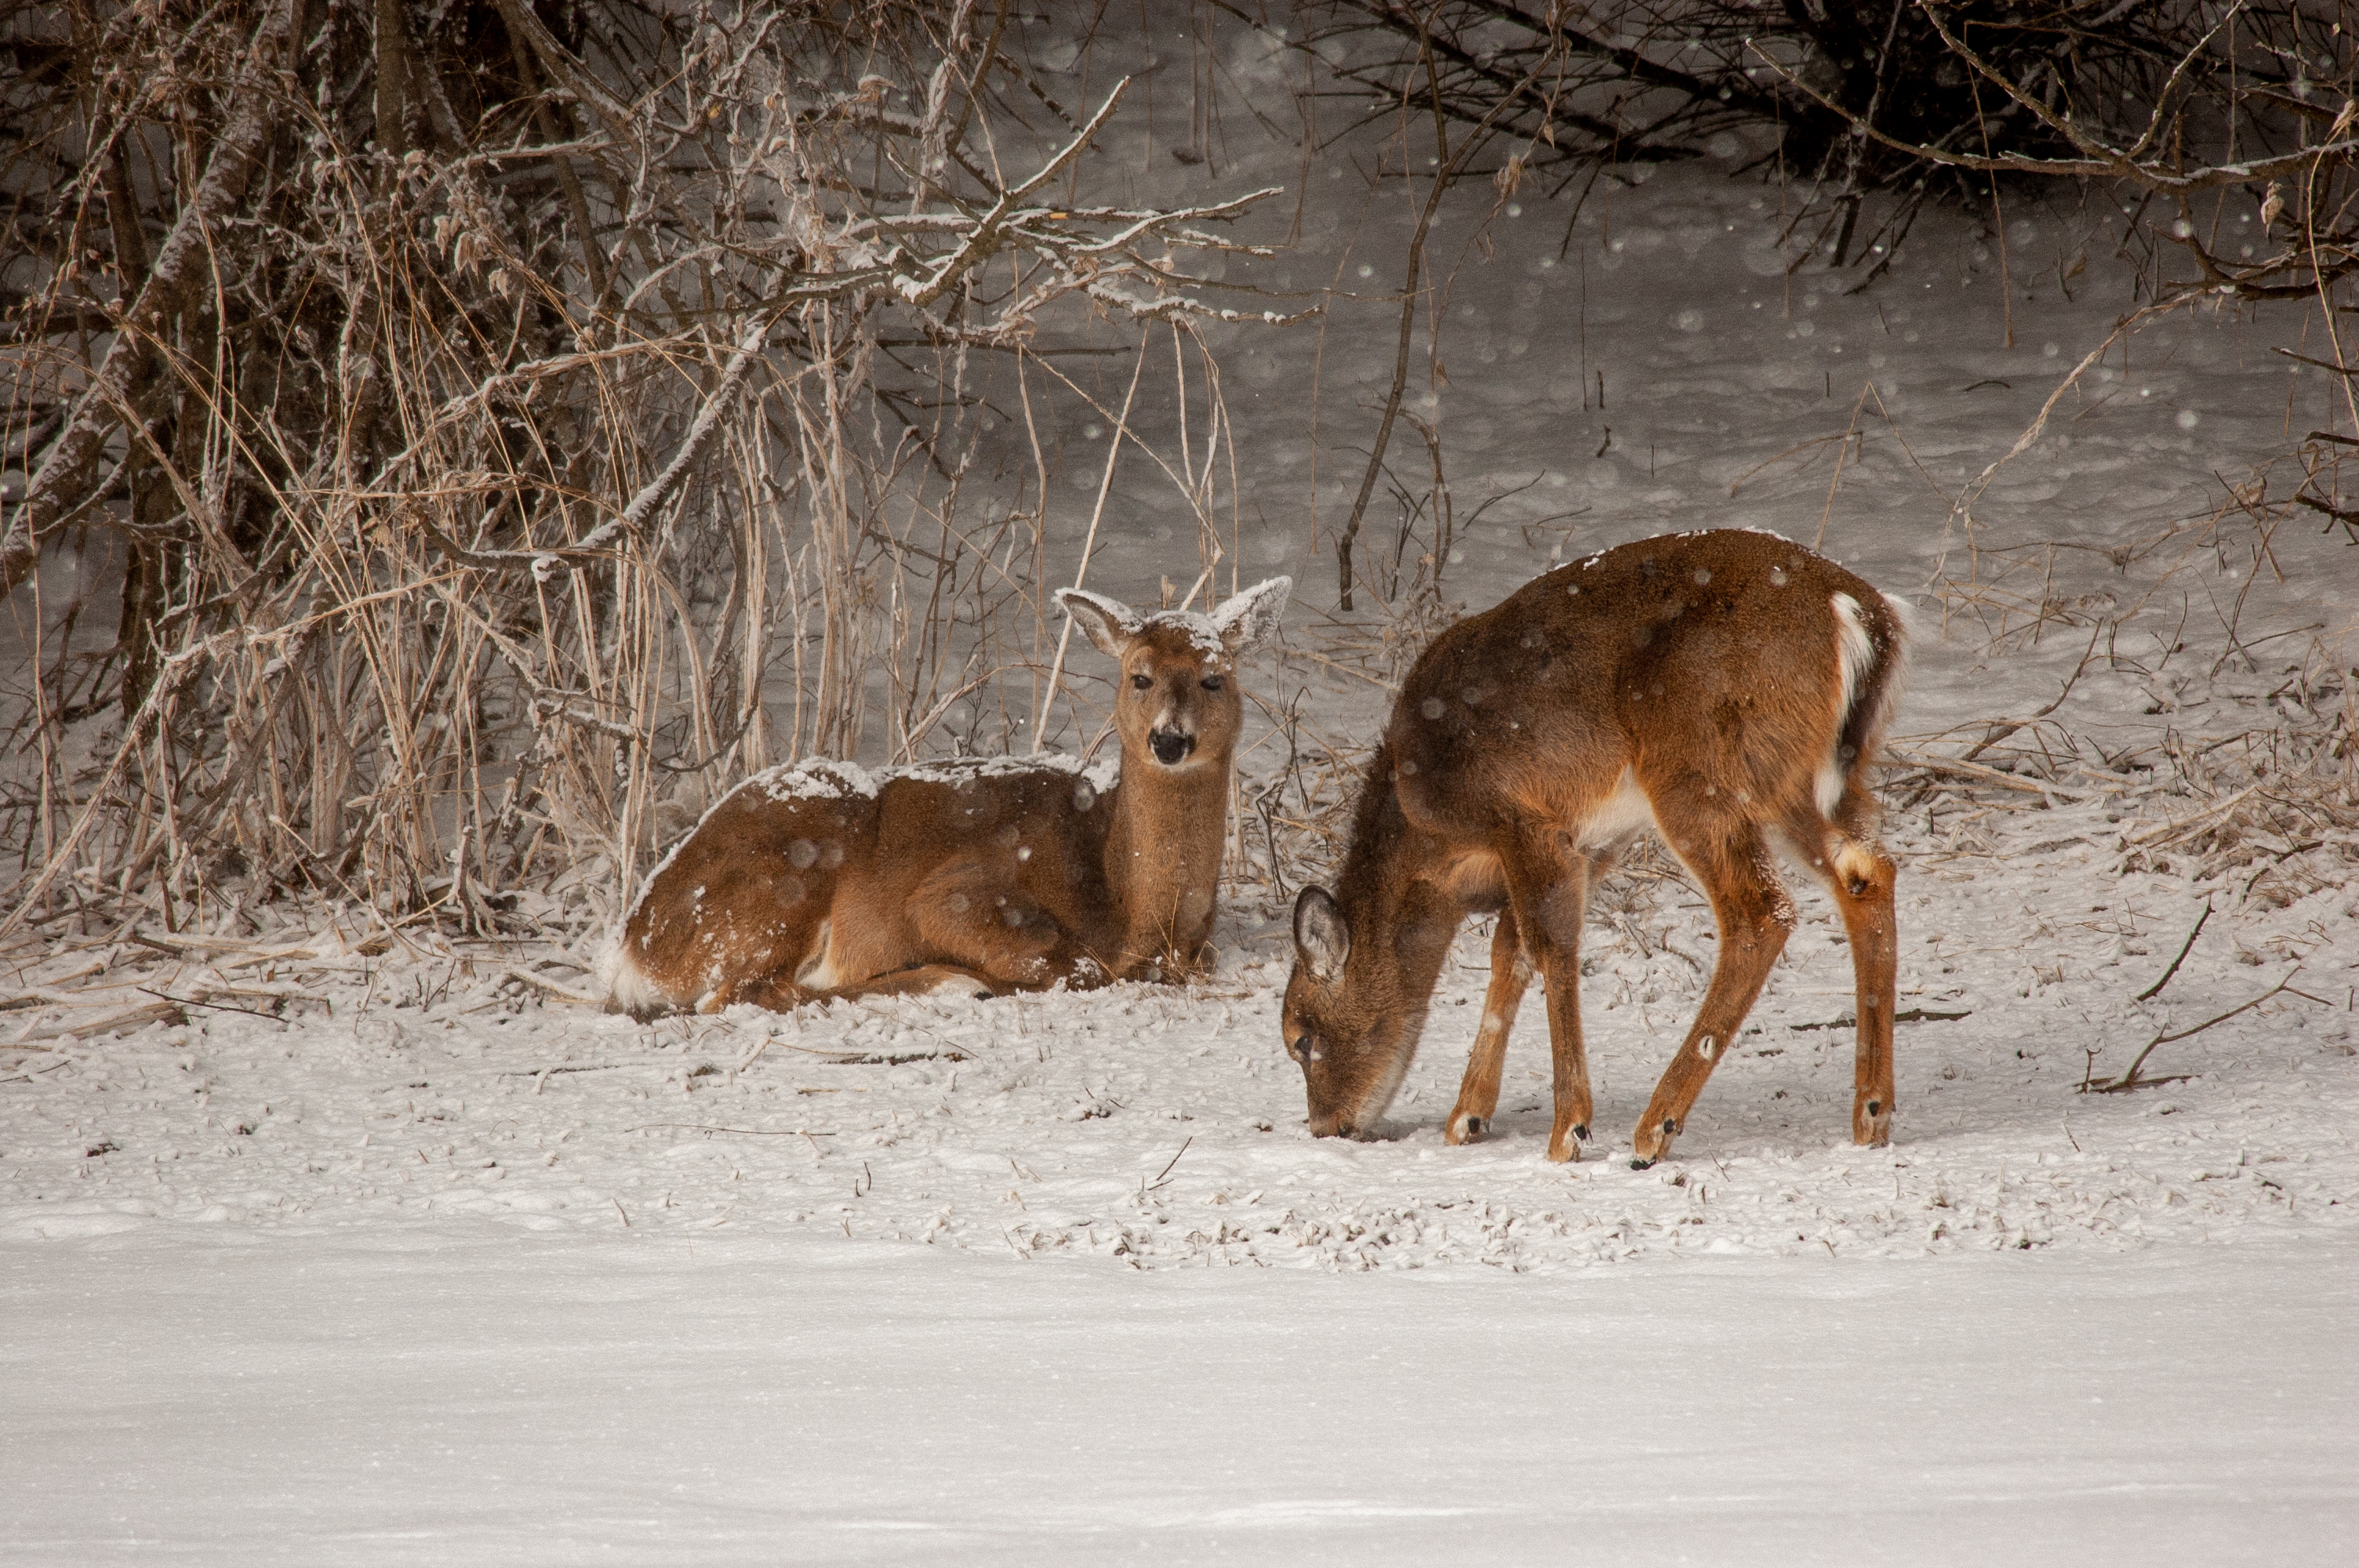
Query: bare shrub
1907,102
515,421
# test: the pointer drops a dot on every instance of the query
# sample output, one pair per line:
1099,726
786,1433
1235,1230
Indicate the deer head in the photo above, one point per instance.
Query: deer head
1351,1018
1176,702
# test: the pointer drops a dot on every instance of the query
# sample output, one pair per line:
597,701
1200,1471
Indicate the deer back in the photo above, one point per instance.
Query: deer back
1718,667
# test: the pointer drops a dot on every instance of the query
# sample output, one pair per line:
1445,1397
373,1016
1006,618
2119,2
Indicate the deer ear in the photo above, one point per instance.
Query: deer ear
1321,940
1252,618
1107,622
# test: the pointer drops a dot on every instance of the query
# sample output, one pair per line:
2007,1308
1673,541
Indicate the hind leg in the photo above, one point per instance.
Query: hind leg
970,938
1478,1094
1861,875
1754,917
777,993
971,919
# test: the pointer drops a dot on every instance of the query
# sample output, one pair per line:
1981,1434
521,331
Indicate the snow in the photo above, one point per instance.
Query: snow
1098,776
812,778
399,1250
465,1394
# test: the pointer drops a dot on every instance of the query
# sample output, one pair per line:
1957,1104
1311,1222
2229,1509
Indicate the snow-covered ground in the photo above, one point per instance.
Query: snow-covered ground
462,1392
391,1252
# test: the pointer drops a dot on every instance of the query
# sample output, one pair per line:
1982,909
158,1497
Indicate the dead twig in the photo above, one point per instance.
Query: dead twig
167,1012
2130,1079
1165,1175
565,993
2186,948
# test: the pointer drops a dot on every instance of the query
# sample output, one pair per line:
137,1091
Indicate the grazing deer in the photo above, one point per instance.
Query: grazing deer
815,880
1727,688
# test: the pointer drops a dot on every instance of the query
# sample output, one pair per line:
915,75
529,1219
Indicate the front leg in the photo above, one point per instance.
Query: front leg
1478,1093
1550,898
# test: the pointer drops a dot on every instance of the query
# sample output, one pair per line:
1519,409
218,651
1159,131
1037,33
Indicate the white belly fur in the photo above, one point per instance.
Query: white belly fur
1620,815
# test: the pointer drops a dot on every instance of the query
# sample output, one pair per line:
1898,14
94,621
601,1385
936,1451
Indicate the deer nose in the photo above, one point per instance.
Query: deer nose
1171,747
1328,1124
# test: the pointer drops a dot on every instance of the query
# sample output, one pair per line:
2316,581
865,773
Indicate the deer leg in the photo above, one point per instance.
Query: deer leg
1754,916
969,920
1862,874
766,991
1548,900
1478,1093
927,979
814,976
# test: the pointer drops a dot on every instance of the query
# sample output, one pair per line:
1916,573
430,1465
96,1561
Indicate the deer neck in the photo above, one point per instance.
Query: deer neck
1402,925
1163,860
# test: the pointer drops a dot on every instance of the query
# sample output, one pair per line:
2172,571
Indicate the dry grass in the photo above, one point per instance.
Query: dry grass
2245,765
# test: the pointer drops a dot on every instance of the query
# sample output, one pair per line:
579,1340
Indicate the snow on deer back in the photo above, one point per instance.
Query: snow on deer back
1006,873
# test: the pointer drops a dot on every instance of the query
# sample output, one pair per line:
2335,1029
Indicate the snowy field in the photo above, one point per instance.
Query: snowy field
463,1392
326,1242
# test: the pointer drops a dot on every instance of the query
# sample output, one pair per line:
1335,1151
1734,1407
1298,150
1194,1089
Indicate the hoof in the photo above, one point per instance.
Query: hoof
1652,1142
1871,1123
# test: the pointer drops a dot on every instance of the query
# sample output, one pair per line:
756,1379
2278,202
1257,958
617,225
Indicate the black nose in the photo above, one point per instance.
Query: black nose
1171,747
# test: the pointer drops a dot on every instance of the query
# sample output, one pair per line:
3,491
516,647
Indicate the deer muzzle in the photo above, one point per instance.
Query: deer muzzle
1171,746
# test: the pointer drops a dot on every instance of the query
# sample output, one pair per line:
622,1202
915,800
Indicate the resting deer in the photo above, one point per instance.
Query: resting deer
1004,874
1729,689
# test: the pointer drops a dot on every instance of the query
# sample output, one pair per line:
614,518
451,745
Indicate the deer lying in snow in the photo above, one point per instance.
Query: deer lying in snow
1004,874
1728,689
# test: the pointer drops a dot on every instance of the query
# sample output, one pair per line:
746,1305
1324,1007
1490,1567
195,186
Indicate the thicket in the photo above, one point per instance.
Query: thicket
463,414
492,401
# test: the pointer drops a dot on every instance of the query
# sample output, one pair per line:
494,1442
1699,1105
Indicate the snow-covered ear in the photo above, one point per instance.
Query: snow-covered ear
1321,940
1252,618
1107,622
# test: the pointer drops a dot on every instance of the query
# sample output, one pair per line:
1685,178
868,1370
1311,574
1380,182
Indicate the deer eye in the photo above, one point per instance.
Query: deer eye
1212,683
1142,682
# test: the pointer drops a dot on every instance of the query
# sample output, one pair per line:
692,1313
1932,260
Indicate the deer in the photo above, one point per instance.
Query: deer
1727,688
817,880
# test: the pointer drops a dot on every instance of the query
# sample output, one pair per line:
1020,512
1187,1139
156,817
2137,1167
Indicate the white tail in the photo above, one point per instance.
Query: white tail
816,880
1727,688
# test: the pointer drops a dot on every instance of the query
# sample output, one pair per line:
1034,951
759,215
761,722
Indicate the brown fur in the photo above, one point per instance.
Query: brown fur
814,881
1704,670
